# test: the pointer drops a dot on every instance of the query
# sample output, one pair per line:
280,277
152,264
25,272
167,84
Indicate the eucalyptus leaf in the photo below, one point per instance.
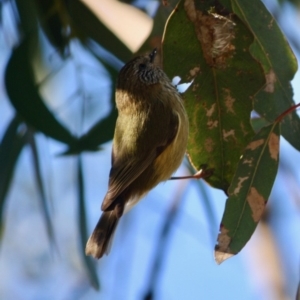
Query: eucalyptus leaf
27,14
249,191
24,95
40,184
103,130
13,141
272,50
54,21
212,51
89,264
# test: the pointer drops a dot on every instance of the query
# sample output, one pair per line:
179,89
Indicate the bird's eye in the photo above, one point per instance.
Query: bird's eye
142,66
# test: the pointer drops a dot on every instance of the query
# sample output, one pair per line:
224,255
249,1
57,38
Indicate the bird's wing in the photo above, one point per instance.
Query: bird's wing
125,170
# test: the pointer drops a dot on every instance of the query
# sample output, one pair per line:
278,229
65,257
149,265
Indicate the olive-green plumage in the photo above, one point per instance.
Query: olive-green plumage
149,143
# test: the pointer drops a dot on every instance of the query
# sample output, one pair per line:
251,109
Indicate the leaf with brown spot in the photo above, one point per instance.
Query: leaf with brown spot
224,239
249,191
255,144
272,50
210,47
239,184
257,203
273,146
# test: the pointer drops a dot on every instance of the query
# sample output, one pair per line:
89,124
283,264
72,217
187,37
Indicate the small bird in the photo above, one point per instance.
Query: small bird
149,143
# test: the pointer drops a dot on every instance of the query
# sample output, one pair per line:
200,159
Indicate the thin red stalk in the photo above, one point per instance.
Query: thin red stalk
286,112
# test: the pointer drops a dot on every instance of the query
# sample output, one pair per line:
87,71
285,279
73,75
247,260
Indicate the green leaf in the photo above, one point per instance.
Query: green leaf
103,130
89,264
28,16
86,24
212,50
272,50
249,192
98,134
24,96
40,184
54,19
14,139
294,2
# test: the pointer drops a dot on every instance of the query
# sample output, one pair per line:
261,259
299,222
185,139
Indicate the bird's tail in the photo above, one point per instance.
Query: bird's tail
101,238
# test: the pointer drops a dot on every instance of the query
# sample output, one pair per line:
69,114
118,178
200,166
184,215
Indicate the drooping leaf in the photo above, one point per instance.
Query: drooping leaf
40,185
27,16
103,130
89,264
54,20
297,4
249,192
24,96
86,25
272,50
14,139
99,133
211,49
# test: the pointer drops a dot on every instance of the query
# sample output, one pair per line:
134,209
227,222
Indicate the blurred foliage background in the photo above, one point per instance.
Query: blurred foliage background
59,61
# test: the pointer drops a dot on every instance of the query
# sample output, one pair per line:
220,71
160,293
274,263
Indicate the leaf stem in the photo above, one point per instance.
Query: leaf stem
198,175
286,112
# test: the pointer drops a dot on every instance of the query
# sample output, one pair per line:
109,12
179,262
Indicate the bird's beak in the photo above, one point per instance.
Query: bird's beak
152,55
